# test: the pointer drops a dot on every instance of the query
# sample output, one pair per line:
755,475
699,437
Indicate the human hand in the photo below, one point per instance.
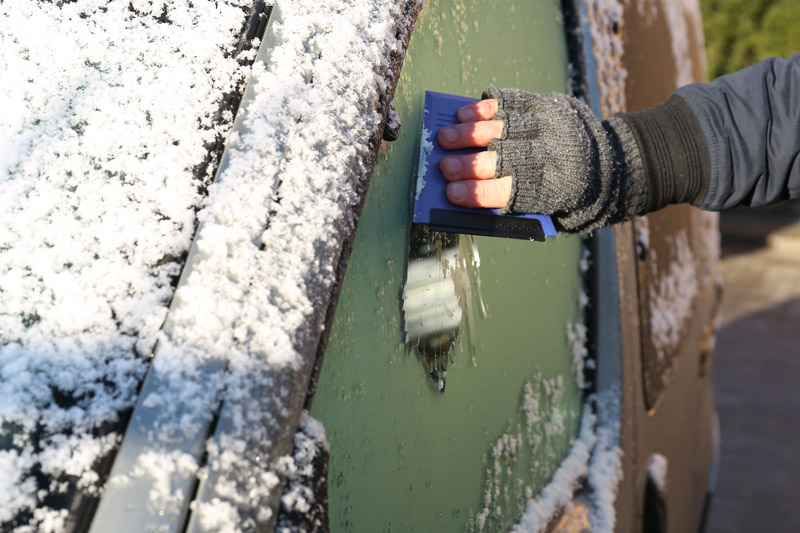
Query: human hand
470,176
547,154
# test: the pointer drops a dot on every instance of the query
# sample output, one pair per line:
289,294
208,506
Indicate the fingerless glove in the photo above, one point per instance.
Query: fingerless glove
587,173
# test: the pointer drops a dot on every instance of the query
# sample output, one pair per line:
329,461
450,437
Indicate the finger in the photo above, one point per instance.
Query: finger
480,193
470,134
510,100
480,166
480,110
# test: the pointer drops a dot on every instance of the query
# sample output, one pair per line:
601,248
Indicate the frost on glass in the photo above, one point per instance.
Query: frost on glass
539,433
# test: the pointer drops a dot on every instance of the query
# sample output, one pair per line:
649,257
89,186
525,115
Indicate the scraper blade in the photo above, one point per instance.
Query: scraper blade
431,205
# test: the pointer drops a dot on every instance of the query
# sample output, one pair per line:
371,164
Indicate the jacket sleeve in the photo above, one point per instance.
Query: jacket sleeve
751,124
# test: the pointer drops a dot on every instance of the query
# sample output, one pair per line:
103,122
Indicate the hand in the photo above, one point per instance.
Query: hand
470,176
546,154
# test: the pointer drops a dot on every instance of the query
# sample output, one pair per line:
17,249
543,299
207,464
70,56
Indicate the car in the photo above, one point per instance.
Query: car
324,364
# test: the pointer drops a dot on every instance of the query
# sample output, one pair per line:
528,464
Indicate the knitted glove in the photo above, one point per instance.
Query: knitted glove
566,163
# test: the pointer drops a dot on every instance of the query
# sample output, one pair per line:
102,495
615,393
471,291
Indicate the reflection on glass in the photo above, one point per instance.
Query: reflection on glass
432,308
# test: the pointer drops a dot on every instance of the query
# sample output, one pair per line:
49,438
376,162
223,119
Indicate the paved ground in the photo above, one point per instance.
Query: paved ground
757,375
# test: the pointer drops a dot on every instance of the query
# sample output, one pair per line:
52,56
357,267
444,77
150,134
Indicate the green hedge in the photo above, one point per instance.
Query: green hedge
742,32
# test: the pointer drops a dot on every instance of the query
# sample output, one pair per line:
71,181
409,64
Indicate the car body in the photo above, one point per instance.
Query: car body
464,383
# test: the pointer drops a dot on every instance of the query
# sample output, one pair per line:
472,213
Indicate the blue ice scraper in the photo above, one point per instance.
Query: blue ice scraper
431,205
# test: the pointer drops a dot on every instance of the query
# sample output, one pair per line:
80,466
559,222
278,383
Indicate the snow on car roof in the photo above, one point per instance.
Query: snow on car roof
109,109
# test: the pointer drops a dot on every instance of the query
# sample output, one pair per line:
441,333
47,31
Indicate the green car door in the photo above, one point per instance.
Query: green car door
451,386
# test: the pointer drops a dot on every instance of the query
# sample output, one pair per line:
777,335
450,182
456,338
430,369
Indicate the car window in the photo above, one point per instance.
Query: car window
448,389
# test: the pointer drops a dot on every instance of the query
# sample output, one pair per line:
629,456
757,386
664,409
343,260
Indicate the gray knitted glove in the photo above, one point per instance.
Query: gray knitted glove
565,162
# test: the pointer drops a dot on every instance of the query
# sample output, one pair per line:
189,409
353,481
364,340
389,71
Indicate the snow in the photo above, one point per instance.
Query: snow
17,488
543,422
605,467
684,19
270,238
707,246
592,469
642,235
657,470
301,500
672,296
603,18
106,114
217,515
559,491
577,335
160,468
393,123
425,149
586,260
106,120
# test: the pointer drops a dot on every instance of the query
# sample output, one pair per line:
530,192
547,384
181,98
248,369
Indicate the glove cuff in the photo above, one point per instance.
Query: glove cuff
629,169
676,159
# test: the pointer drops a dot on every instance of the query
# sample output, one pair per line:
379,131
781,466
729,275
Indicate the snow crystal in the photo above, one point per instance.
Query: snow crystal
605,23
425,149
567,478
393,124
591,471
304,499
264,261
160,468
108,109
642,234
17,488
216,515
684,20
530,405
47,521
657,470
577,335
106,120
644,250
543,422
605,467
672,296
74,455
586,261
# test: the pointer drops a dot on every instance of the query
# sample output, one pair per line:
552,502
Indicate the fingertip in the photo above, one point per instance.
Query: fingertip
480,194
456,193
480,110
451,168
488,108
447,136
466,114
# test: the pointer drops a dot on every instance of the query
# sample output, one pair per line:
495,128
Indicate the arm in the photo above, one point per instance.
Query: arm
735,141
751,123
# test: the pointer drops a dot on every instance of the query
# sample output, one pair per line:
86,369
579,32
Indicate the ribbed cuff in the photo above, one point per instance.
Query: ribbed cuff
676,158
628,167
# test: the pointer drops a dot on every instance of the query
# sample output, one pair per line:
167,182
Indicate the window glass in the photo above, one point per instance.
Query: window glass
447,390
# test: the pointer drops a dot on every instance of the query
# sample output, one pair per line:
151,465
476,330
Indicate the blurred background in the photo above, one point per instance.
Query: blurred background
757,371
